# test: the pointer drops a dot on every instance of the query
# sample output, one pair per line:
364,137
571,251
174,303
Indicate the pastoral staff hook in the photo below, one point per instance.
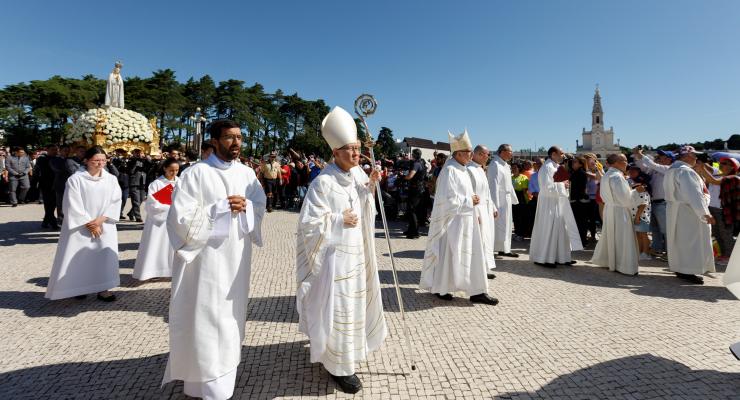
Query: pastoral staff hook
365,106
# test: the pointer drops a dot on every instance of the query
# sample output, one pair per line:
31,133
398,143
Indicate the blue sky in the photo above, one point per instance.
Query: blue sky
521,72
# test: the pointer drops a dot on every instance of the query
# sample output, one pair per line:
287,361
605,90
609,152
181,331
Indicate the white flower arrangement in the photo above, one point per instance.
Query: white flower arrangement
118,125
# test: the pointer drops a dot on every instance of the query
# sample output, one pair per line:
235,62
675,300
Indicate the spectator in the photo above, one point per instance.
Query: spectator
19,168
285,193
271,174
724,203
520,210
657,170
45,175
640,210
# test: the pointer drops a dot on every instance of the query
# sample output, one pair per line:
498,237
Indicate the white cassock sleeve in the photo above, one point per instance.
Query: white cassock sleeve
256,195
75,213
452,202
189,222
154,209
622,194
692,190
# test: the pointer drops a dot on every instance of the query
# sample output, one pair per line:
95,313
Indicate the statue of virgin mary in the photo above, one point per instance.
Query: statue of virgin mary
114,88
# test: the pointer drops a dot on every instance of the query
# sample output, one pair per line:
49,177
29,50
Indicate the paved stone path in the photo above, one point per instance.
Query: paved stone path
571,333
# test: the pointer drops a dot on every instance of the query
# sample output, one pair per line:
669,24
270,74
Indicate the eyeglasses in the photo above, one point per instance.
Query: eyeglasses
352,149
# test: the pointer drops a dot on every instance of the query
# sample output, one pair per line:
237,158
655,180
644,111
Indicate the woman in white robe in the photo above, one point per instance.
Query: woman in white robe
155,254
86,260
617,248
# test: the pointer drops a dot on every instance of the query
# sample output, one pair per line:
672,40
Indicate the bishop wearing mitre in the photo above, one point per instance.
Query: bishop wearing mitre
455,257
338,298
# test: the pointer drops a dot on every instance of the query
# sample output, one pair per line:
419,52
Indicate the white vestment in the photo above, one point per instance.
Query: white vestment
155,256
503,195
617,246
731,279
484,212
338,298
210,273
454,258
114,91
84,264
688,237
555,233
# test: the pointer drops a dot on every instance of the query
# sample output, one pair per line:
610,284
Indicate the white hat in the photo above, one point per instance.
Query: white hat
460,142
338,128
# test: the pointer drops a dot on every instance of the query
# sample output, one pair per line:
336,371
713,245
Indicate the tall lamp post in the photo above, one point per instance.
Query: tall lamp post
197,122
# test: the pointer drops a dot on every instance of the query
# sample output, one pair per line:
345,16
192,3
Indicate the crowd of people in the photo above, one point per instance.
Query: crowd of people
203,216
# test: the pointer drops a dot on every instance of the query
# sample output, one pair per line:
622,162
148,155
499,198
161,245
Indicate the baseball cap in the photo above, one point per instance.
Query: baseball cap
688,149
666,153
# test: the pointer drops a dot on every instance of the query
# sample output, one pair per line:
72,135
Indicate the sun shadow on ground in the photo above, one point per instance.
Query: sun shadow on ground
650,282
266,371
154,302
643,376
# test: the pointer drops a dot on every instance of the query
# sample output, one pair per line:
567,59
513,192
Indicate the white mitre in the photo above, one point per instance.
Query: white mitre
338,128
460,142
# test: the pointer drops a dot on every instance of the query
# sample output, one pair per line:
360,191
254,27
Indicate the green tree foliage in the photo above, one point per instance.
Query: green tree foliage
385,144
39,112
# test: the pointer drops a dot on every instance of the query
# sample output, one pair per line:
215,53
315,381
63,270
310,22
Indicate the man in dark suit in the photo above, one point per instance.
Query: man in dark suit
137,168
45,176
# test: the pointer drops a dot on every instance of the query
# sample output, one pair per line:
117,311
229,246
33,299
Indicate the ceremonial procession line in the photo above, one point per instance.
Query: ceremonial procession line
567,333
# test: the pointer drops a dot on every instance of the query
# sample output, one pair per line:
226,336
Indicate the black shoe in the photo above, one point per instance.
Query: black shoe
107,299
498,258
691,278
270,210
81,297
349,384
491,275
546,265
509,254
14,205
567,263
446,297
484,298
412,236
139,219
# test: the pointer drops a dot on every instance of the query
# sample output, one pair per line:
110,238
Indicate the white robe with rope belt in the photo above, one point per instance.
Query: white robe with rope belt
155,256
484,212
338,299
454,259
688,237
84,264
555,233
210,274
617,246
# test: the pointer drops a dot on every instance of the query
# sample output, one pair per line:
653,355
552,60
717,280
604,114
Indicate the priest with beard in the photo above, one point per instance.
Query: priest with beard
215,217
555,233
617,248
455,259
338,299
485,210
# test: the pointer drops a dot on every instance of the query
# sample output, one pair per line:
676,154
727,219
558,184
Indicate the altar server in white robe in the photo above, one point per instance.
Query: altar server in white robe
617,248
503,195
338,298
454,259
485,211
555,233
215,217
155,252
689,222
86,260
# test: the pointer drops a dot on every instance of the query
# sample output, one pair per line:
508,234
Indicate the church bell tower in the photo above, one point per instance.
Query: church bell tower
597,115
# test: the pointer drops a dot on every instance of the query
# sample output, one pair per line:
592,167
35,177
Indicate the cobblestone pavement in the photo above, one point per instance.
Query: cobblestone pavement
571,333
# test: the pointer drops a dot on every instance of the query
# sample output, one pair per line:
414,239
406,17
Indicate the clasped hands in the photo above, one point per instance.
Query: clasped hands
96,226
350,218
237,203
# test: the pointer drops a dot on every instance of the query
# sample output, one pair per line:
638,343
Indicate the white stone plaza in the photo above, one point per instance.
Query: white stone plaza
568,333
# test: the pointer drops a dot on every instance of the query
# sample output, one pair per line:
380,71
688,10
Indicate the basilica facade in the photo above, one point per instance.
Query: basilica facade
597,140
